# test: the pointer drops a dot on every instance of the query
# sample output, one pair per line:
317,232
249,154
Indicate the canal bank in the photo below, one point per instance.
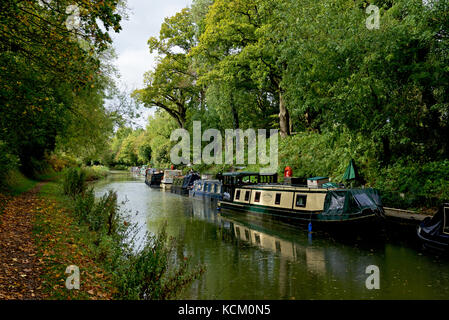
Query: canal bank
402,225
44,233
405,217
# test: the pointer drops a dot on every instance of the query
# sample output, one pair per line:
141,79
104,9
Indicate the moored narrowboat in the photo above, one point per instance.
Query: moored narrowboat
143,170
176,186
153,178
434,232
182,184
167,180
207,188
304,205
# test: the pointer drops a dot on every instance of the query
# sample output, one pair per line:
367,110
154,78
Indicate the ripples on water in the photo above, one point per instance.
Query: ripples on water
250,258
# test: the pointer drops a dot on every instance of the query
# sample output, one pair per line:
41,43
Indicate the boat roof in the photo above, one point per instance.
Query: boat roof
247,173
272,186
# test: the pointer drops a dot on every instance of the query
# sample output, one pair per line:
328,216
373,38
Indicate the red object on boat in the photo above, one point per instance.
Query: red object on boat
172,167
288,172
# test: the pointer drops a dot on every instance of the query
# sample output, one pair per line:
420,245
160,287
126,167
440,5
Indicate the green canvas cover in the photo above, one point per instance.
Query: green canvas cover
352,201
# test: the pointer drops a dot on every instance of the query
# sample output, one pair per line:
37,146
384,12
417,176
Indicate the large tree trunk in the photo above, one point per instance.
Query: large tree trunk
235,115
284,117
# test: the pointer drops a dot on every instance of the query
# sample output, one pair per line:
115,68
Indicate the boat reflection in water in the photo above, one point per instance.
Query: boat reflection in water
320,256
313,257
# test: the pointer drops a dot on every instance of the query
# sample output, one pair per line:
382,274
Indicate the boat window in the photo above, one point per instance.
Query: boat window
247,196
257,238
278,246
301,200
278,198
246,234
237,195
257,197
215,188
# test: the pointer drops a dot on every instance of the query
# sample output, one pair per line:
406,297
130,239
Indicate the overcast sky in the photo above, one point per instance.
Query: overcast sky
145,19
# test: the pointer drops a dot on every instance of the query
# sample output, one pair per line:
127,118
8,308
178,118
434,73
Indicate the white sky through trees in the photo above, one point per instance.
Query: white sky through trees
134,58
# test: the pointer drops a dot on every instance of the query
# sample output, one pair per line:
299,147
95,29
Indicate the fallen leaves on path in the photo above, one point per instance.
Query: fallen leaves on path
20,269
38,240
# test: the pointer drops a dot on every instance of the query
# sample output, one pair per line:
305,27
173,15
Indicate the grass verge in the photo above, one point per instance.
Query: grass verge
15,183
61,241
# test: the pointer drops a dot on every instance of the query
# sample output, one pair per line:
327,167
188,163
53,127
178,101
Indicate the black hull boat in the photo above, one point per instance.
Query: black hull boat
434,232
182,184
327,209
153,179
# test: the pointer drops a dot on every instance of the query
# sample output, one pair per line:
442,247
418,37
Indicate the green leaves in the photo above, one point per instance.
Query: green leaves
53,77
172,85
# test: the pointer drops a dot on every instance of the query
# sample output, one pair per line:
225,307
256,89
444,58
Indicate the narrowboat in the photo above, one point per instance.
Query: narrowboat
303,205
182,184
434,232
167,180
207,188
153,178
143,170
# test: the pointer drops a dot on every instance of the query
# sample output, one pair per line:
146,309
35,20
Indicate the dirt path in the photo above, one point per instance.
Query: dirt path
20,268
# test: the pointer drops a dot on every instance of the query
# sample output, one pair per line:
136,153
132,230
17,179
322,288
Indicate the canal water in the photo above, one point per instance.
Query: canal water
250,258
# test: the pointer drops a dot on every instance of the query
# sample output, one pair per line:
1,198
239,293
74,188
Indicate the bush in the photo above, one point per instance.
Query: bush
84,205
120,167
101,216
414,185
312,154
8,161
104,216
155,272
95,172
58,162
74,182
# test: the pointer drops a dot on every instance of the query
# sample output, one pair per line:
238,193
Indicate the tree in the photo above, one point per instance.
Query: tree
172,85
385,83
237,48
49,71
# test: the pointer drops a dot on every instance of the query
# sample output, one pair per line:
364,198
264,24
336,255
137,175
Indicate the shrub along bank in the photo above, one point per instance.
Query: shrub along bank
152,271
